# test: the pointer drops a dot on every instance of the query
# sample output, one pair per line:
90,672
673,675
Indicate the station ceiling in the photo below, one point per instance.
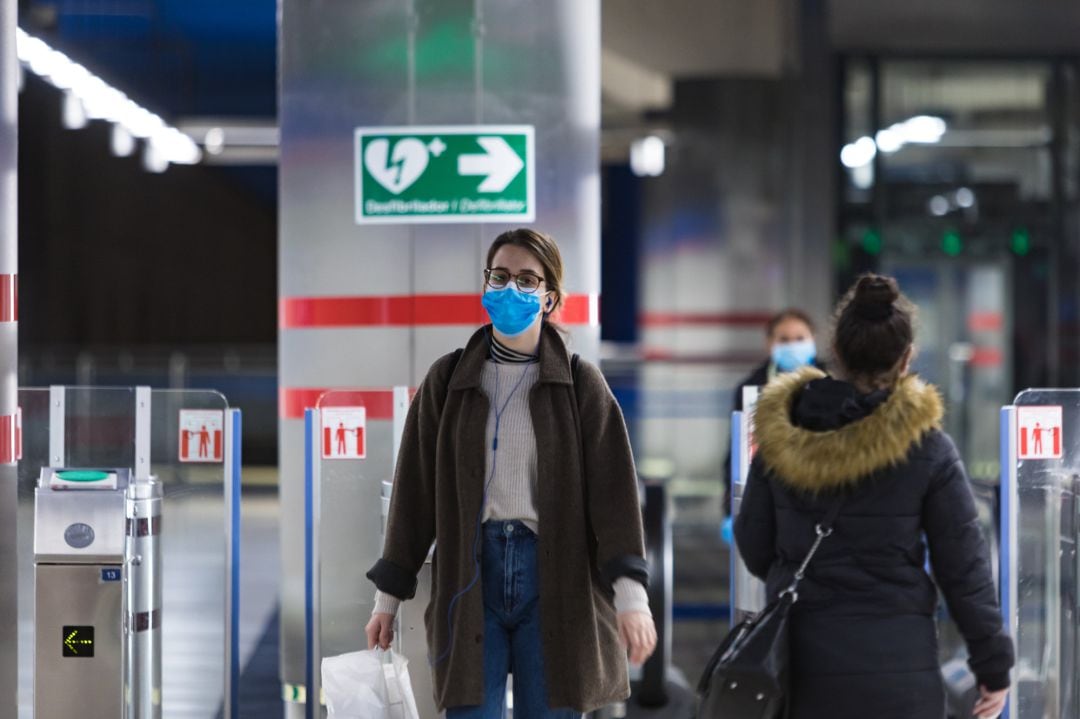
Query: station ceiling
217,58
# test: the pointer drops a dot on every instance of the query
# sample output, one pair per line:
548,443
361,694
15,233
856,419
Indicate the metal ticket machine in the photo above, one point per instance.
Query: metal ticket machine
97,588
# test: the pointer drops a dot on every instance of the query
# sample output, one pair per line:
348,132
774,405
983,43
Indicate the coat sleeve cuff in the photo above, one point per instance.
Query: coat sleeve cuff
393,580
994,681
628,565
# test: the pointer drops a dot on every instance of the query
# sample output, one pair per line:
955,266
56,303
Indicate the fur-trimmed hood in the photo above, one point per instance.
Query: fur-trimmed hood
815,461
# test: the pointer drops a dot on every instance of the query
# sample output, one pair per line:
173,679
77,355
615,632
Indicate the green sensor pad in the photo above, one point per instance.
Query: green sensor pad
78,475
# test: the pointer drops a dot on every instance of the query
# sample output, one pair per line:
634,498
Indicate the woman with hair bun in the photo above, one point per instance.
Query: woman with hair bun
867,445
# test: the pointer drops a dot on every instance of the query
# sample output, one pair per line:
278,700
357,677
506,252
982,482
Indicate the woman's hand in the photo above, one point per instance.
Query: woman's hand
380,631
638,634
990,704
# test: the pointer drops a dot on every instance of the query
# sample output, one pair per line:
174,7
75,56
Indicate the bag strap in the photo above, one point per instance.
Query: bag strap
822,529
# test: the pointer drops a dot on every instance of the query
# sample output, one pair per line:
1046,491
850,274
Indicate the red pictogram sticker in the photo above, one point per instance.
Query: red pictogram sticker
1039,430
343,432
201,435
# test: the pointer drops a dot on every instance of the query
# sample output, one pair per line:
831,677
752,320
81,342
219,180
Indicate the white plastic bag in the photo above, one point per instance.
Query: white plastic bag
368,685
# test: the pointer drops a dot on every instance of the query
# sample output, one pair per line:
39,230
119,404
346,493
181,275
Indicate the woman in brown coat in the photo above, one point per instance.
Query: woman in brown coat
515,461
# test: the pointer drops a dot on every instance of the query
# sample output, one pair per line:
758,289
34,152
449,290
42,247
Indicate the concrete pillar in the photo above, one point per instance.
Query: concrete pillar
717,248
739,226
814,142
9,69
369,307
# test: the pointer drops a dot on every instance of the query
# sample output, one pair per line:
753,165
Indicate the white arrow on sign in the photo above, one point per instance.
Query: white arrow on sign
500,163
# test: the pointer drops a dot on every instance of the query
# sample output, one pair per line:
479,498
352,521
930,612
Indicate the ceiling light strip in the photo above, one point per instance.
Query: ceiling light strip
98,100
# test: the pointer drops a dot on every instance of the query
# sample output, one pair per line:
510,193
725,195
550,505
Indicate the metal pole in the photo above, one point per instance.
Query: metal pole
9,69
1058,117
143,575
142,595
653,690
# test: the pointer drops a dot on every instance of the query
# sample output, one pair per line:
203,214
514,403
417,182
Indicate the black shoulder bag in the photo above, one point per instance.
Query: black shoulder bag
747,676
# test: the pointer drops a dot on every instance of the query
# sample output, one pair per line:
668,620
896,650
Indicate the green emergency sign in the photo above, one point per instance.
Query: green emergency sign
452,173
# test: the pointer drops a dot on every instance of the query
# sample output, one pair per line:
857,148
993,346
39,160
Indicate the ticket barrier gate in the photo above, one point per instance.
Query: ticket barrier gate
97,588
1039,565
106,587
747,591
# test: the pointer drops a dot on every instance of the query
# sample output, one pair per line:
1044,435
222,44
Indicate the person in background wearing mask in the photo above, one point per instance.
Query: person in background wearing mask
515,461
790,337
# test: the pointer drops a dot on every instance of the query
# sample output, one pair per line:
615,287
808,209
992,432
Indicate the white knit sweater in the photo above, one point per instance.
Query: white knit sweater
512,483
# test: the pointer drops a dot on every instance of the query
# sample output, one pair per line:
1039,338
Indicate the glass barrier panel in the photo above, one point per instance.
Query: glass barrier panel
353,463
1048,477
187,456
99,430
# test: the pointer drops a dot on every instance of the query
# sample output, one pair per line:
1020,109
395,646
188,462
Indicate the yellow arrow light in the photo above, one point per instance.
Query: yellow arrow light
73,643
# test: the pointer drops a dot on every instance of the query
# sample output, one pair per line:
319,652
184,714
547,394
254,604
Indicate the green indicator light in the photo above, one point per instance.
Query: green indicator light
871,242
75,475
78,641
841,254
951,243
1021,242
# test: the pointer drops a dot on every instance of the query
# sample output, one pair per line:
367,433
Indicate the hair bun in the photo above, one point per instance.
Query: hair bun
874,297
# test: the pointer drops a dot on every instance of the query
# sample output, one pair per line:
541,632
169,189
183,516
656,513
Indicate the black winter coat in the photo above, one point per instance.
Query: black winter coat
863,636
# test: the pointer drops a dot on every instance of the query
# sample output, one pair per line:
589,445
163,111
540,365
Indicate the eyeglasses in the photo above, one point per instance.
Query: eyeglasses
498,278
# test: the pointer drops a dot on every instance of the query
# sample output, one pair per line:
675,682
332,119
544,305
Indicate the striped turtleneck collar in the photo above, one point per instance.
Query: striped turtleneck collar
501,354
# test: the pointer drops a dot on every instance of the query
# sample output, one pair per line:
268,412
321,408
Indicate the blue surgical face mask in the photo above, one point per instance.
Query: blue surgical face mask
789,356
511,310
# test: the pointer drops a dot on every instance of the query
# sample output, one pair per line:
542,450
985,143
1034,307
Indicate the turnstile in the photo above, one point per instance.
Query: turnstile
1040,565
747,591
97,590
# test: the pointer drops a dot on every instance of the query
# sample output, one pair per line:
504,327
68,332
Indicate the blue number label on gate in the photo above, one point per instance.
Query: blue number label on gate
110,574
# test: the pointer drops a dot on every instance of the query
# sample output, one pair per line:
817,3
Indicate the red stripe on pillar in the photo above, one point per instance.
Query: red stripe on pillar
985,321
9,298
987,357
705,319
407,311
9,450
378,402
578,310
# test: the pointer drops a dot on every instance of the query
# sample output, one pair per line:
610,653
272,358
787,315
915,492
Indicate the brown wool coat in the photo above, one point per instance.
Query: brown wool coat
590,522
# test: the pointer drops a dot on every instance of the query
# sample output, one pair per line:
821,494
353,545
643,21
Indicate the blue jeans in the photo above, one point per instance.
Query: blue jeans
511,628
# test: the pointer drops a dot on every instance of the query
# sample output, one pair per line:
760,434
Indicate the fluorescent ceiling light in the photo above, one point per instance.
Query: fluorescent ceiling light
100,101
918,130
647,156
922,129
858,153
